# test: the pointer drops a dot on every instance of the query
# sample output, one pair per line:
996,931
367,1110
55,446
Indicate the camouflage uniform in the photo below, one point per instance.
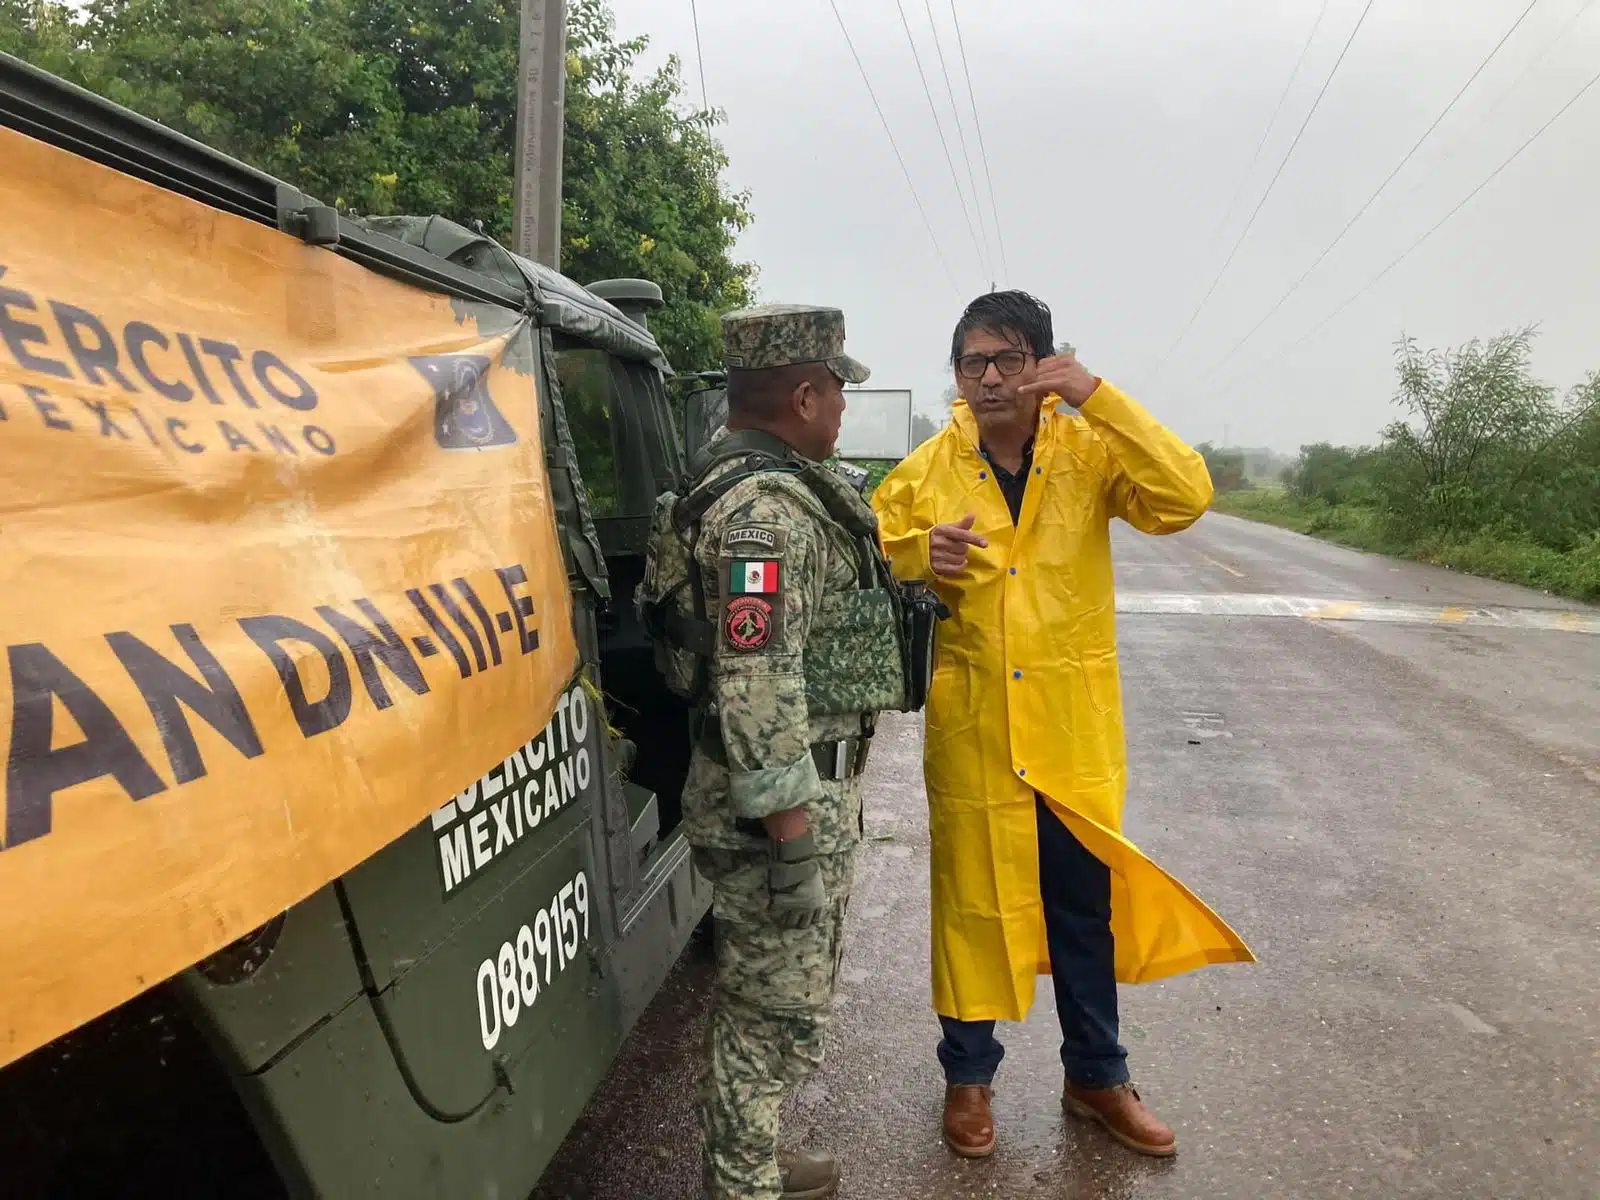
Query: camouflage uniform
774,984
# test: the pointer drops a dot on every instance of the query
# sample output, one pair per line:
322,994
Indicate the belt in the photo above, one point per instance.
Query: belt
844,758
841,759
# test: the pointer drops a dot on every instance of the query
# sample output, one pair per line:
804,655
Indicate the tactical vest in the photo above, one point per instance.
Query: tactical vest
869,649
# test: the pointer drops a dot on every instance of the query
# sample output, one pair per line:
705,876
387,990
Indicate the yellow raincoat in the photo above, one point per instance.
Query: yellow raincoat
1026,695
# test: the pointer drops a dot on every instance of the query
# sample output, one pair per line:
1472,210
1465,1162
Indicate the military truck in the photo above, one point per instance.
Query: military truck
430,1017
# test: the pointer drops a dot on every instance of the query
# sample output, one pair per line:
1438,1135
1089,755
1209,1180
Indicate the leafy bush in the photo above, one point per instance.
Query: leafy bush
1488,470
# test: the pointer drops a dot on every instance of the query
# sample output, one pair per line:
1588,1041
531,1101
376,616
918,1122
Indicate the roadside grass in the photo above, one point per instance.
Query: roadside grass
1574,574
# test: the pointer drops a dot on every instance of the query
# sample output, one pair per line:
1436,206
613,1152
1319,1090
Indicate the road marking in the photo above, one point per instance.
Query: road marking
1337,611
1389,612
1234,571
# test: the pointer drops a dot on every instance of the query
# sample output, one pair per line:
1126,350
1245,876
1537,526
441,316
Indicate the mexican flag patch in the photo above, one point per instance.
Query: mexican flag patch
753,578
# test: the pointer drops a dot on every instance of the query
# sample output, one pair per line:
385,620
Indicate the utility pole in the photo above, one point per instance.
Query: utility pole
541,103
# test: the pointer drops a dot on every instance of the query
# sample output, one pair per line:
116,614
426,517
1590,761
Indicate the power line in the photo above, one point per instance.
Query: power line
1558,40
955,112
1265,133
943,141
916,199
994,209
1448,108
1440,224
699,57
1250,224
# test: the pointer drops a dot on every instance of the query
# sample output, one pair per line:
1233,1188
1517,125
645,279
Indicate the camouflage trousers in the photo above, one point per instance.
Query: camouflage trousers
774,990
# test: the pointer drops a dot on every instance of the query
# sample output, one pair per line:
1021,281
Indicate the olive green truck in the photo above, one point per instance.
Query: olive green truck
485,888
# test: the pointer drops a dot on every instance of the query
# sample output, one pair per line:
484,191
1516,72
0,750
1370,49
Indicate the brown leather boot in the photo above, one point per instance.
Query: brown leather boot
1124,1115
808,1175
968,1124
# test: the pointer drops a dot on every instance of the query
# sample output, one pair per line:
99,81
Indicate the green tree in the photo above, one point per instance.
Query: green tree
1332,474
1226,467
282,84
643,189
1472,416
388,106
40,32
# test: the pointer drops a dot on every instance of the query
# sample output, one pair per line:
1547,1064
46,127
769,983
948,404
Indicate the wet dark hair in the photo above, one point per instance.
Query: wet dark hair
1012,315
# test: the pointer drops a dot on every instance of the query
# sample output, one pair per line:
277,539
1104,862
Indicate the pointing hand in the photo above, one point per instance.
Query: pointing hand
948,546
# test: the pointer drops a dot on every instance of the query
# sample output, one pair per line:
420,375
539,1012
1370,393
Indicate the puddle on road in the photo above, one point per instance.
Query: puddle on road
1204,726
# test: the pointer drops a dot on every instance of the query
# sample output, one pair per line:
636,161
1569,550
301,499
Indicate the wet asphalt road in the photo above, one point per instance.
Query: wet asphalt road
1401,822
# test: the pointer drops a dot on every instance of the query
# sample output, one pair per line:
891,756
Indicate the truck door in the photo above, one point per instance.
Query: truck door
628,451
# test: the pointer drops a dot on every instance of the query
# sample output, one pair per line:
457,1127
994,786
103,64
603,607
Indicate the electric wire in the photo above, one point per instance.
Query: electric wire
699,57
1382,187
994,209
1271,124
961,133
1260,204
1440,224
895,146
1558,40
943,141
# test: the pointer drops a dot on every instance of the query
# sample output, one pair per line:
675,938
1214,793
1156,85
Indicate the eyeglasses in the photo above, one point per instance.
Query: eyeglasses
1007,362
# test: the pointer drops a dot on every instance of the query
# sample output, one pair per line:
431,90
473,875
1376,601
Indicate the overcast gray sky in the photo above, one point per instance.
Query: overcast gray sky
1117,134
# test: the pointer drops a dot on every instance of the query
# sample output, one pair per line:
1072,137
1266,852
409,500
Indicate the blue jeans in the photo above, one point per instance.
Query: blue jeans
1076,889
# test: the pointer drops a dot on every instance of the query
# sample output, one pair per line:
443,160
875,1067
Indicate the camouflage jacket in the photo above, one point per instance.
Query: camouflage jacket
770,557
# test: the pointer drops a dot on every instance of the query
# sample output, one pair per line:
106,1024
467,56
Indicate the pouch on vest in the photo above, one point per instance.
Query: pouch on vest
921,611
667,603
855,662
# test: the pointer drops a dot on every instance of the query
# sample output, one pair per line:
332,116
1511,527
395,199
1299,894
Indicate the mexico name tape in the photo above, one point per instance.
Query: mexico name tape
1390,612
280,571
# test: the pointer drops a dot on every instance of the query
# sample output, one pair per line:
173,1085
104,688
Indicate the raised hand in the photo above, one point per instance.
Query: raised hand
1065,376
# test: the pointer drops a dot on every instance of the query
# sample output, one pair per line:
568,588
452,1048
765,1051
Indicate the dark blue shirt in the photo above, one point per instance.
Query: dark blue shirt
1012,487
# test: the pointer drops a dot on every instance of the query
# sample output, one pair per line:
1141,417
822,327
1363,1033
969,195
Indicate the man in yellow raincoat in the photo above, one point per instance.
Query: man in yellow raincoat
1006,513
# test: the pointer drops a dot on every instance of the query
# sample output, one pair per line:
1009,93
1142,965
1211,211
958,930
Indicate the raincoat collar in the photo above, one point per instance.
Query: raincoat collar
966,423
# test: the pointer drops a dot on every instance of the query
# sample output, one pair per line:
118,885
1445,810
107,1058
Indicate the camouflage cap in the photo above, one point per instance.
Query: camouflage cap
780,335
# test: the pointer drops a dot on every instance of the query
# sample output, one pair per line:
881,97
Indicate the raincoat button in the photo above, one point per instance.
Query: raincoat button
1022,770
983,474
1038,470
1016,674
1013,570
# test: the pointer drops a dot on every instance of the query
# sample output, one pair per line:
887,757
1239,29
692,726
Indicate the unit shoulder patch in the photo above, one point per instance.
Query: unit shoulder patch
748,623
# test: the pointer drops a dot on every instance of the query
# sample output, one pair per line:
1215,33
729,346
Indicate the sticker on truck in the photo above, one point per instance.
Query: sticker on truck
510,803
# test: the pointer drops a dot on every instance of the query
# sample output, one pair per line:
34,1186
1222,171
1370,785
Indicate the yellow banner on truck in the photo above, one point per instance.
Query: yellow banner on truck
278,575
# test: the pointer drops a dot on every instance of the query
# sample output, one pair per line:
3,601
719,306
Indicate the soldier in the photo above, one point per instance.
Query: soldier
800,645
